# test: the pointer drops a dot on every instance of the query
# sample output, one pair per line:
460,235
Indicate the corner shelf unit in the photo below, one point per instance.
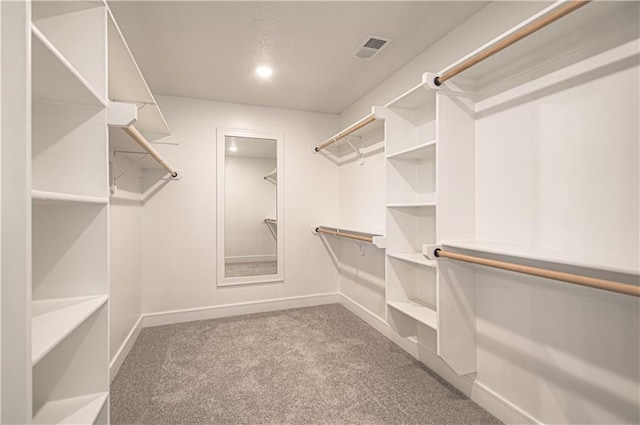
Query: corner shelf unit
69,199
411,151
429,153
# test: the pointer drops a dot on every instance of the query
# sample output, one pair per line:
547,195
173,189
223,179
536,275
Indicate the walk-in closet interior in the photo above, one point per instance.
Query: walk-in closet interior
318,212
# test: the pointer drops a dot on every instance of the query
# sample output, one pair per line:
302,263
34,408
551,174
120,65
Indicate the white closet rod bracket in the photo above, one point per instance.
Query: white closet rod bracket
358,151
140,140
120,114
124,115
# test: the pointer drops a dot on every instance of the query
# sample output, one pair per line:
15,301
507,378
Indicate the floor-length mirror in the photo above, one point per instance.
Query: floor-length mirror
250,226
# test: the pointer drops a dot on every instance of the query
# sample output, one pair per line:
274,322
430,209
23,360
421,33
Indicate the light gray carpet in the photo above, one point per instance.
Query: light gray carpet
317,365
258,268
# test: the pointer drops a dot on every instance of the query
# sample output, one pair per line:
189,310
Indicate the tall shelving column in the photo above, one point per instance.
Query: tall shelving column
455,130
69,323
411,153
15,213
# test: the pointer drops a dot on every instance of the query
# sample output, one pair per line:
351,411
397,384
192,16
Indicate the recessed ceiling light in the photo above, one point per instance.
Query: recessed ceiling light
233,148
264,71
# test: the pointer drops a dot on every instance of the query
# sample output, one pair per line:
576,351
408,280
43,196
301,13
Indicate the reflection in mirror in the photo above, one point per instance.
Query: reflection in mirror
248,205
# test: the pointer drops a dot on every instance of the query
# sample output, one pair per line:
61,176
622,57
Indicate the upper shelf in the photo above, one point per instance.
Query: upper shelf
41,197
598,261
363,133
372,237
55,79
595,28
127,84
414,98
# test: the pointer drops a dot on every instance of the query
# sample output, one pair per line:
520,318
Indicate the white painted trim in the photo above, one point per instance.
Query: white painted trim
250,259
124,349
221,280
216,312
495,404
508,412
483,396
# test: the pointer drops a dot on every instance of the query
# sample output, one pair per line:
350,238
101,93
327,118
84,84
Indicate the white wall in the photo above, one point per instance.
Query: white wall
486,24
249,199
179,221
556,167
362,196
125,260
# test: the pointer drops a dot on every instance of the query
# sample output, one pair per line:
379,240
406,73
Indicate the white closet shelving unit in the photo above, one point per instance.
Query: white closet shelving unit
69,332
411,150
430,188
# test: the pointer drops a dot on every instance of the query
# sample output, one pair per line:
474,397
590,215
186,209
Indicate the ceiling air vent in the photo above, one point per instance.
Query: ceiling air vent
370,47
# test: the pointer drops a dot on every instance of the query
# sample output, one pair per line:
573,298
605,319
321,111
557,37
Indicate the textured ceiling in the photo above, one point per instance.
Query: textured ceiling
210,49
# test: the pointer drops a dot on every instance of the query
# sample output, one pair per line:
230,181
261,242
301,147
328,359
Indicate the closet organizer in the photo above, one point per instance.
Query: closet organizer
76,47
429,144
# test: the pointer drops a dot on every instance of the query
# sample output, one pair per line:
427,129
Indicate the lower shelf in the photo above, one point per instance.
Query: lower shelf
54,319
417,310
77,410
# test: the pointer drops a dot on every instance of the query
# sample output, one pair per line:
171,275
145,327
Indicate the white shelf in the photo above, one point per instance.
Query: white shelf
412,204
41,197
599,261
55,79
413,257
417,310
127,84
77,410
421,152
366,137
55,319
377,239
414,98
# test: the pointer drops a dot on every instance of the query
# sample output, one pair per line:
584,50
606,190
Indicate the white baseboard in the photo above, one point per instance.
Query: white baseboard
123,352
215,312
479,393
490,401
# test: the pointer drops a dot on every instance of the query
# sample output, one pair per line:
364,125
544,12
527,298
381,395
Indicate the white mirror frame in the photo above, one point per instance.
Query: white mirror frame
220,195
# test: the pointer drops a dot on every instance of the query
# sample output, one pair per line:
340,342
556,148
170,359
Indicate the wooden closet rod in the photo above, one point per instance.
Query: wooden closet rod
345,235
140,140
347,131
607,285
561,10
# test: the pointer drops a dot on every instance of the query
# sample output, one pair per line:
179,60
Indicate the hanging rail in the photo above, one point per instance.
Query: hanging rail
347,131
344,234
607,285
140,140
558,10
